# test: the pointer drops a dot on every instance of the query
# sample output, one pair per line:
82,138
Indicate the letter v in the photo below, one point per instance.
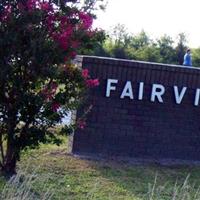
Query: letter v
179,96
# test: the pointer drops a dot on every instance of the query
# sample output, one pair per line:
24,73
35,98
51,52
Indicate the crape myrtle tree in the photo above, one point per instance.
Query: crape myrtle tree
38,82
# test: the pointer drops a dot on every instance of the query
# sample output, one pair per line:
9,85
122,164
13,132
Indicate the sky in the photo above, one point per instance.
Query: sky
156,17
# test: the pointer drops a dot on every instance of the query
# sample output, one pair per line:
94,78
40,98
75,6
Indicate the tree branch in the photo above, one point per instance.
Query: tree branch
1,146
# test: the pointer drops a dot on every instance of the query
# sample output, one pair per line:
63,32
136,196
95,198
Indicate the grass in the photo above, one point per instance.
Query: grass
51,173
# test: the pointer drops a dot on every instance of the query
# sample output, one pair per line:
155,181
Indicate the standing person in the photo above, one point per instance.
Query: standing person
187,58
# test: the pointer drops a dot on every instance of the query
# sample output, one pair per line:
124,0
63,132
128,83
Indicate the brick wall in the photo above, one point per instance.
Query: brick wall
141,128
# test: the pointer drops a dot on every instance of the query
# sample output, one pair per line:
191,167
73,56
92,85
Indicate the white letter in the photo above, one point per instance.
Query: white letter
179,97
141,89
196,102
109,87
158,94
127,91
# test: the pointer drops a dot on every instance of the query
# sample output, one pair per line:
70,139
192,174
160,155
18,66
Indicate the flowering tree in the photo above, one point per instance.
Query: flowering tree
38,82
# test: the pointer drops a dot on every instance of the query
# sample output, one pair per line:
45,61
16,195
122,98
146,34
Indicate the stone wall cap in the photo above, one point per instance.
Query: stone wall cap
113,61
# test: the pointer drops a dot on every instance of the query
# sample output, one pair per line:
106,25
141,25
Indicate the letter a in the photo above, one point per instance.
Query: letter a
127,91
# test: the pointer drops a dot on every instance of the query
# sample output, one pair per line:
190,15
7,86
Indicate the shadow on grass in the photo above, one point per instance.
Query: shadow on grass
145,181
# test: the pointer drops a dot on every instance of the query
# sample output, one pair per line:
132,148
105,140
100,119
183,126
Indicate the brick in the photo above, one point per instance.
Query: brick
143,128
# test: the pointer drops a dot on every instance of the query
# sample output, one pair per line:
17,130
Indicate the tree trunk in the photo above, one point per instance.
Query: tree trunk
9,166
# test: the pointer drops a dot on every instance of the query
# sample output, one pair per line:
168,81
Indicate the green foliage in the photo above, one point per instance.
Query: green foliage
196,57
93,45
148,53
119,36
181,48
121,44
166,49
140,41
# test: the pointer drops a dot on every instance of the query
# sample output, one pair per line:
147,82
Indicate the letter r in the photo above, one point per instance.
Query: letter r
157,91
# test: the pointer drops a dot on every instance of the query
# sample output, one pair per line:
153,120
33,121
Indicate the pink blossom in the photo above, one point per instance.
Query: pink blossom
46,6
72,54
20,6
50,22
81,123
92,82
8,9
85,73
50,91
86,20
54,86
31,4
75,44
91,33
55,106
6,13
63,38
63,21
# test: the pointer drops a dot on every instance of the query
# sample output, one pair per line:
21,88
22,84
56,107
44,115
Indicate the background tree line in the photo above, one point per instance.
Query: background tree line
118,43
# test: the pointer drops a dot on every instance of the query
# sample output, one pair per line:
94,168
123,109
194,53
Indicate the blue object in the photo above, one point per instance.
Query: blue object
187,60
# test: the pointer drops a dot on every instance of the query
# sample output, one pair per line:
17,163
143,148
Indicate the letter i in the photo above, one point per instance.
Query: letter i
141,90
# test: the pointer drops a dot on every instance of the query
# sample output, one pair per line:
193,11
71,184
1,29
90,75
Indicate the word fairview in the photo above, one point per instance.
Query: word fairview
157,92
